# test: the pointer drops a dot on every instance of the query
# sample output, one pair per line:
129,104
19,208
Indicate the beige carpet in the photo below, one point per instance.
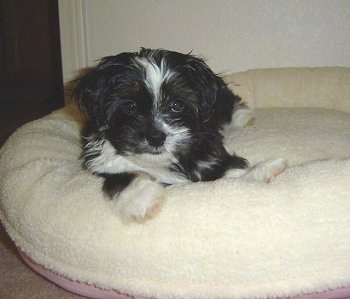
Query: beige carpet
18,281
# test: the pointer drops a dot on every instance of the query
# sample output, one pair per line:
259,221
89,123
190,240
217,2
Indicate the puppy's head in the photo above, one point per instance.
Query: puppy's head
150,102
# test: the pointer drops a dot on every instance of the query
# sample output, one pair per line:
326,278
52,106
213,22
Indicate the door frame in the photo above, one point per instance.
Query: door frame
73,35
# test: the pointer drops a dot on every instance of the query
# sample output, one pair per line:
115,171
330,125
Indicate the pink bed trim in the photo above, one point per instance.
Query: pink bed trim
97,293
70,285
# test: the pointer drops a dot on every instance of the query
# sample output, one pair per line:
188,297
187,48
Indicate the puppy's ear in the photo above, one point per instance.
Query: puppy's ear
222,110
217,101
207,84
92,88
88,91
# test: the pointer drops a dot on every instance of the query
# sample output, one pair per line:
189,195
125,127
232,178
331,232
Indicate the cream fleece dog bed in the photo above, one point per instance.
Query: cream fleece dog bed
221,239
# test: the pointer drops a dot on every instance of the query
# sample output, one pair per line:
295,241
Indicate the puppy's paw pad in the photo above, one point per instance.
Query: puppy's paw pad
275,168
140,201
152,211
267,170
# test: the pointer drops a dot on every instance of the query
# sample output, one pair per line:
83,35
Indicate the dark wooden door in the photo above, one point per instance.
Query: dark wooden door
30,60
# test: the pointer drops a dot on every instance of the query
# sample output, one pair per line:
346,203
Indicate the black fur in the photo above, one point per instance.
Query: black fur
123,179
121,109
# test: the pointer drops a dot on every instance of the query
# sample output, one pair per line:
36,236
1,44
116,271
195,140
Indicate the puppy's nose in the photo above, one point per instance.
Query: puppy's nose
156,139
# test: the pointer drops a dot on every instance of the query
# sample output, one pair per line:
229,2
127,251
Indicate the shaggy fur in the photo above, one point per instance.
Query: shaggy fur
155,119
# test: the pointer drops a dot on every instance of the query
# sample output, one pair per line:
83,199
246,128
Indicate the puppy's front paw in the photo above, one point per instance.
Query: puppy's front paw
267,170
141,200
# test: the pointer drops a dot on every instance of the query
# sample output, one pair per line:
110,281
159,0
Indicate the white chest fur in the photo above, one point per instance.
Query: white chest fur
108,161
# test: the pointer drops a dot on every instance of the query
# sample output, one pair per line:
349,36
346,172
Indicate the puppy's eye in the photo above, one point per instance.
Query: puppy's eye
130,106
177,106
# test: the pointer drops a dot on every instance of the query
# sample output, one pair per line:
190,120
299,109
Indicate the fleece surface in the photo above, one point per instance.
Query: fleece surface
222,239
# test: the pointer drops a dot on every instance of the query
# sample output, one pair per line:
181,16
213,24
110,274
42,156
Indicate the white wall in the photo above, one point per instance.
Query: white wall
233,35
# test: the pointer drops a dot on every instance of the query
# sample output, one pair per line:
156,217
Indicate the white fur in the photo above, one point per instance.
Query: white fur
105,162
108,161
157,167
205,165
264,171
242,117
144,196
155,76
141,200
176,136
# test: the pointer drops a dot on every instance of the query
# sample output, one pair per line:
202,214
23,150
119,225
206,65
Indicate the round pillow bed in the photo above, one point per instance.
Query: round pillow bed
229,238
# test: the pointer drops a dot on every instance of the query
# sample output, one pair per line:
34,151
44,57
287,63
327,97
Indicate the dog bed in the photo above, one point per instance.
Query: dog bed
222,239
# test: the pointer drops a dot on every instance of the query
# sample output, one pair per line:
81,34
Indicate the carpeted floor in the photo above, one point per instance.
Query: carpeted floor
16,279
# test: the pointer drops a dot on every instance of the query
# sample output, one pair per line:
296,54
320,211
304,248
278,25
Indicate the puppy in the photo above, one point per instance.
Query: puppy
155,119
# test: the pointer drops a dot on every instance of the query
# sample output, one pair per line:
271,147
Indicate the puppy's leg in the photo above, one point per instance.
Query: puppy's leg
242,117
267,170
136,196
264,171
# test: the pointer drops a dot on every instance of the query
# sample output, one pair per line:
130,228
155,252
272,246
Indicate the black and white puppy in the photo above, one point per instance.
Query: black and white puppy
155,119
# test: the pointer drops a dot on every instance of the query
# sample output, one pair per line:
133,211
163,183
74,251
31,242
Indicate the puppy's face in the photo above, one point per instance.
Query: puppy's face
153,102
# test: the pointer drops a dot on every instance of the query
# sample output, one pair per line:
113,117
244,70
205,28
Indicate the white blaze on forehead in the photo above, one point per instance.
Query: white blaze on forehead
155,75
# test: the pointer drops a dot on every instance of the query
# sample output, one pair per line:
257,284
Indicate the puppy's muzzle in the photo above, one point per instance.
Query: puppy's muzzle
156,139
